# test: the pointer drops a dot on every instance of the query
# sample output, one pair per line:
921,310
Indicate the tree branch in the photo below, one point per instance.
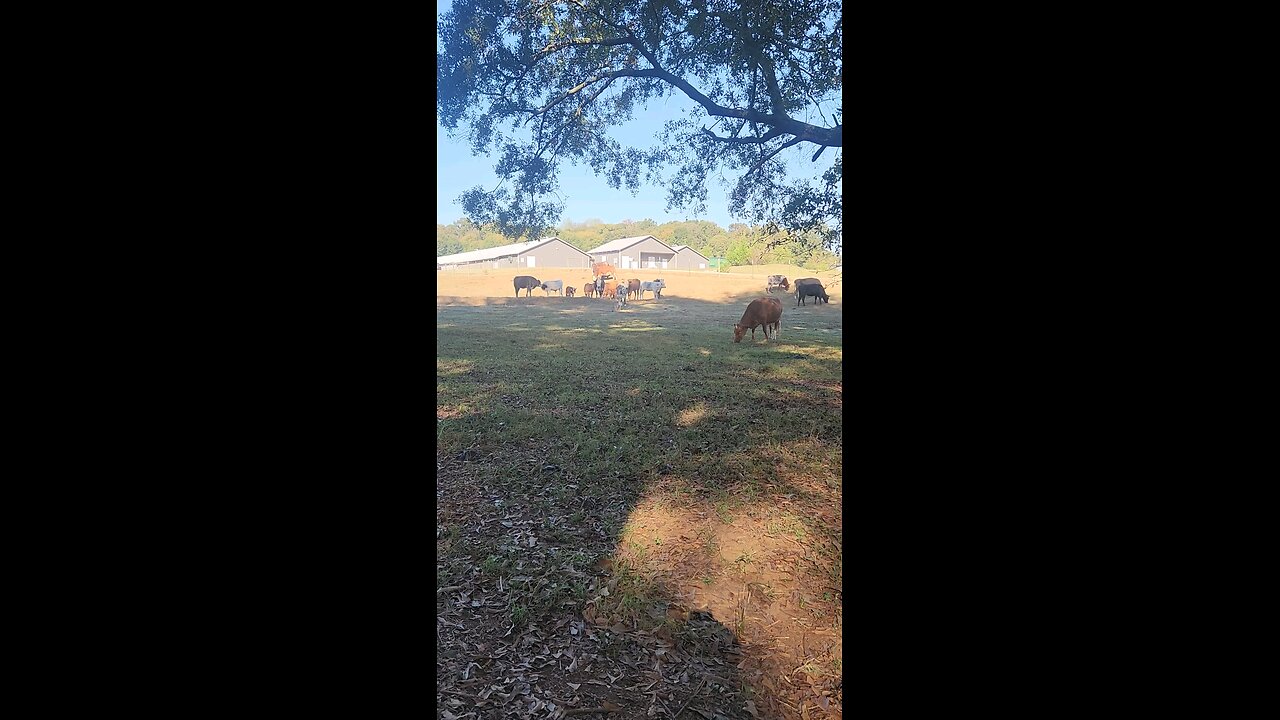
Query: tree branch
754,140
768,157
570,93
576,42
771,81
778,120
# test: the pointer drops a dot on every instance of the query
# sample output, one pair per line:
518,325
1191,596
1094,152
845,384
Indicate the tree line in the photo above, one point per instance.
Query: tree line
739,245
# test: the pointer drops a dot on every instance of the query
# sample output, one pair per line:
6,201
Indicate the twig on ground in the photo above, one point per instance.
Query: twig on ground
691,697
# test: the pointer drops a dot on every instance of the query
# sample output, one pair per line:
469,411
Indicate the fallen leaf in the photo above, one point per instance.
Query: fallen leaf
751,708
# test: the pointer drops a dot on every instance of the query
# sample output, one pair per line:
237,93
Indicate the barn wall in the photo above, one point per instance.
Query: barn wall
646,248
555,254
687,259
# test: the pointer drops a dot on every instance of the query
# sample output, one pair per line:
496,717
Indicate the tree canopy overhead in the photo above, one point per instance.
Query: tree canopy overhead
540,82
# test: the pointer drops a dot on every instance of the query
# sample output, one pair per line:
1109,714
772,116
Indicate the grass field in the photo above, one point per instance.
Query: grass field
634,513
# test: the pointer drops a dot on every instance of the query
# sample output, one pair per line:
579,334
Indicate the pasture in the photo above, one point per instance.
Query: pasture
635,514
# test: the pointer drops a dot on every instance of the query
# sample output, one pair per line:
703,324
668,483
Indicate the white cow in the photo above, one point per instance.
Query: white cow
654,286
557,285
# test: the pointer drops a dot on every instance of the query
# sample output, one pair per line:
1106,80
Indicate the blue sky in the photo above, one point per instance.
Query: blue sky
587,196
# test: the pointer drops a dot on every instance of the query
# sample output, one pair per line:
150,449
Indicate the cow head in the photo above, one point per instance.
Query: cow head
738,332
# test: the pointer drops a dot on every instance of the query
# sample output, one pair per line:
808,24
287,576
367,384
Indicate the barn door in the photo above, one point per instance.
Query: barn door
530,258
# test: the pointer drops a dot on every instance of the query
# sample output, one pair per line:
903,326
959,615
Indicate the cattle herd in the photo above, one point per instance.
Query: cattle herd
764,313
601,288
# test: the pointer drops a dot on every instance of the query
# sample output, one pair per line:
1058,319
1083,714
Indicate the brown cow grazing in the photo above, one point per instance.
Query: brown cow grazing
569,291
527,283
761,311
588,290
633,288
610,288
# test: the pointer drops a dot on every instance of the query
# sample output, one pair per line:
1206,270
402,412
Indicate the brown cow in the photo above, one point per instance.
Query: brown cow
588,290
610,287
761,311
569,291
633,288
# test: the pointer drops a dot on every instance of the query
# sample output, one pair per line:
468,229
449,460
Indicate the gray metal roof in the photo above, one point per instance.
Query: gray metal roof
678,248
622,244
494,253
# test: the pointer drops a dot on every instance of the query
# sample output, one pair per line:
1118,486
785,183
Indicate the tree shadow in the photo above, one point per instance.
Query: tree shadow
592,464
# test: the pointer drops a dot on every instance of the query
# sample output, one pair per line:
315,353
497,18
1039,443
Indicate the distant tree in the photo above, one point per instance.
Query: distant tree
540,82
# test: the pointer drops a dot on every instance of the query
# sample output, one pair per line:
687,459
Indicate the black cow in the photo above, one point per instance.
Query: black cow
526,283
811,289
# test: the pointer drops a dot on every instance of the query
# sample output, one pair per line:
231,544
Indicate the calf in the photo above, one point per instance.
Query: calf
569,291
589,289
817,292
761,311
526,283
633,288
557,285
622,293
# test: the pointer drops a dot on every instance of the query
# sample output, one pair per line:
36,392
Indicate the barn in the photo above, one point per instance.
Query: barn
645,251
547,252
689,259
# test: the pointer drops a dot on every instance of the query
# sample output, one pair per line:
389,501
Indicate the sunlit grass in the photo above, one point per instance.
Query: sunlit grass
692,415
